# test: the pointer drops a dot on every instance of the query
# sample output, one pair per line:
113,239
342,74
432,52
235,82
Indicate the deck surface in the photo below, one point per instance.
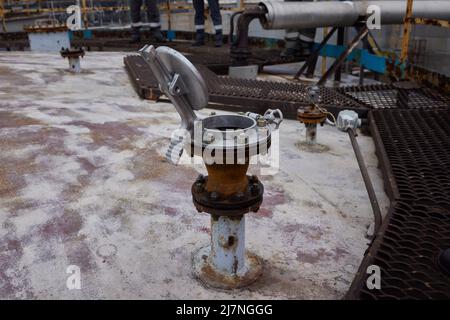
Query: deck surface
83,181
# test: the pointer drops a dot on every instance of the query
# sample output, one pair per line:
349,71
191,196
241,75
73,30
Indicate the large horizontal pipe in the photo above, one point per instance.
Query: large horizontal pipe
304,15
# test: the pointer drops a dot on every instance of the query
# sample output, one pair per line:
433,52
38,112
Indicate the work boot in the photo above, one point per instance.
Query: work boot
135,35
218,38
199,38
157,35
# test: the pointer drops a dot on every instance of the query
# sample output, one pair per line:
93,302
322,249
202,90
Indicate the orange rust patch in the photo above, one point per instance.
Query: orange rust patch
321,254
271,198
115,135
10,120
149,165
13,169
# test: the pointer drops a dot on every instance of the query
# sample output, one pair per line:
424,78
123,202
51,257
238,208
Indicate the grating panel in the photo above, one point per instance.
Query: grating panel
252,95
389,96
413,236
413,147
417,144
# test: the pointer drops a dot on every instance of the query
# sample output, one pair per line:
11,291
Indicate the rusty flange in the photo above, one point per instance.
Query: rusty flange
311,115
233,204
72,52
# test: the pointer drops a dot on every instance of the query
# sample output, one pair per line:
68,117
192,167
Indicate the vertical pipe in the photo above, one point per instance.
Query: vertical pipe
406,31
324,57
227,244
311,133
84,12
339,42
74,65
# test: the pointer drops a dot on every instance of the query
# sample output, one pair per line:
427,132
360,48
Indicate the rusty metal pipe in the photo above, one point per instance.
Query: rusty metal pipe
368,183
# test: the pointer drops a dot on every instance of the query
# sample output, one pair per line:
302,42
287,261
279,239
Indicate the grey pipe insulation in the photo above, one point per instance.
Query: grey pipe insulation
304,15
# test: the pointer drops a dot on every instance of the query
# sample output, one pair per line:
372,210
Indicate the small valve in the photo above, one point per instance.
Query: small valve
271,116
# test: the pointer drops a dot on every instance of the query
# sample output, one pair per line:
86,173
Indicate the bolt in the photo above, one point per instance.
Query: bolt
198,187
261,122
208,137
239,196
213,113
214,195
255,189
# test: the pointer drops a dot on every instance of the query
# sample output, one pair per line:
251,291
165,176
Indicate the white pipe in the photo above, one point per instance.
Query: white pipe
227,244
74,65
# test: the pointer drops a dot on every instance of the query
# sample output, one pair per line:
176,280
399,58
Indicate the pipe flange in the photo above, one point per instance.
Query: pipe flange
311,115
205,272
72,52
236,204
228,134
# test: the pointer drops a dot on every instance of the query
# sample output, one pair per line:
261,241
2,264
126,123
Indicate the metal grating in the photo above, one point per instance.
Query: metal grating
413,147
413,236
253,95
394,96
417,147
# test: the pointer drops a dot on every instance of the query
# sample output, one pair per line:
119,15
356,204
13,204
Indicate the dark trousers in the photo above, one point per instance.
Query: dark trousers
152,13
304,35
214,10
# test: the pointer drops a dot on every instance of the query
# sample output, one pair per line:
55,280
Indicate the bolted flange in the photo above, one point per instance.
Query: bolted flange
73,55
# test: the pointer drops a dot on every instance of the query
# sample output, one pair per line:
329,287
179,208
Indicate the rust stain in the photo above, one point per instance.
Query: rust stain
115,135
204,230
273,196
13,278
11,120
170,211
321,254
63,227
147,164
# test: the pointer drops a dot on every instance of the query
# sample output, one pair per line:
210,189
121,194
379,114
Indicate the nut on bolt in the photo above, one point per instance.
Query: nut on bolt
214,195
255,188
198,187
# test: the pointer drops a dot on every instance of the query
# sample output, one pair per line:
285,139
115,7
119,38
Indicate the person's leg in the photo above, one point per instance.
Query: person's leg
135,12
199,21
216,17
306,40
153,17
298,42
290,43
